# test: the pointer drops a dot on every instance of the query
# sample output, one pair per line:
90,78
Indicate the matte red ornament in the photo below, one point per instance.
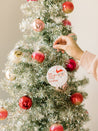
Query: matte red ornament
68,7
56,127
70,65
66,22
3,113
38,25
38,56
76,98
25,102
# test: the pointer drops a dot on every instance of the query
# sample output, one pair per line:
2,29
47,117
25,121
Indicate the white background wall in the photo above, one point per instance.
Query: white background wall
85,24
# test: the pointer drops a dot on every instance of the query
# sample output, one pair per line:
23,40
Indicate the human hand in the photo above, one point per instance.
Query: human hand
68,44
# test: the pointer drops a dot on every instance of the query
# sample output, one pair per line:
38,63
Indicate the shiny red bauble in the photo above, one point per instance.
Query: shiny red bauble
71,65
77,98
25,102
56,127
66,22
68,7
3,113
38,56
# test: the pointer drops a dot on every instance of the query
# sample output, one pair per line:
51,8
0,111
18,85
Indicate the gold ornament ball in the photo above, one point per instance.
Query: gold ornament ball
15,56
18,53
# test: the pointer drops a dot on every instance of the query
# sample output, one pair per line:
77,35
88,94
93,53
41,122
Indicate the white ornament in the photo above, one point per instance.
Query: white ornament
9,75
57,76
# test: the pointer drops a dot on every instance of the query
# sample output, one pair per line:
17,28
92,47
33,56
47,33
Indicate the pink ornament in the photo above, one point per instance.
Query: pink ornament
38,56
66,22
70,65
38,25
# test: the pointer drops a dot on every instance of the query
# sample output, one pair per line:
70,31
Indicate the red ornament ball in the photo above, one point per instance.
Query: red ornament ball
77,98
56,127
3,113
66,22
38,25
38,56
25,102
71,65
68,7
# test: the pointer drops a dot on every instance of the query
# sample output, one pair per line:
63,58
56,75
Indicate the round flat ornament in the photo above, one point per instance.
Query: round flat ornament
57,76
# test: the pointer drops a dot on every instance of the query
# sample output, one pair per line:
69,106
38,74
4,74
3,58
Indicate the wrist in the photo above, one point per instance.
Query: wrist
80,54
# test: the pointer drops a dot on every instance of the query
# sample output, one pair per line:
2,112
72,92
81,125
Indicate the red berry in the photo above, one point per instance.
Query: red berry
56,127
71,65
66,22
68,7
38,56
3,113
25,102
76,98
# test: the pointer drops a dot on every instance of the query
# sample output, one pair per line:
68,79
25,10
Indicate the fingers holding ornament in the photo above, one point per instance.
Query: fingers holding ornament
62,42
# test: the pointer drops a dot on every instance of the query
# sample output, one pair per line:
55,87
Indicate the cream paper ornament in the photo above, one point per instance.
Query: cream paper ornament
57,76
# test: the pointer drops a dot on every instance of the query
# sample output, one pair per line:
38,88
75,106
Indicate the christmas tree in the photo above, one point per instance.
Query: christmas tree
41,81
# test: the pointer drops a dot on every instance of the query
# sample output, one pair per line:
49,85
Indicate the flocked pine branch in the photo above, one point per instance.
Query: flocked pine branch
26,77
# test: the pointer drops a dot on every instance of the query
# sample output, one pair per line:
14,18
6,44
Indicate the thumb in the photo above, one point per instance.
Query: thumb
62,47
